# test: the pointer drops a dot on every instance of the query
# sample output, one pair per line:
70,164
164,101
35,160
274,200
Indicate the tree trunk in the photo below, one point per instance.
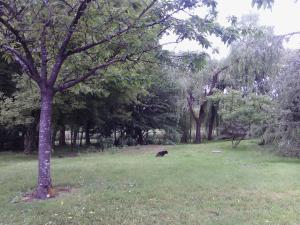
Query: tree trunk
199,121
198,132
53,137
29,139
184,137
87,134
71,136
75,135
81,137
44,175
191,127
62,136
115,137
140,139
213,114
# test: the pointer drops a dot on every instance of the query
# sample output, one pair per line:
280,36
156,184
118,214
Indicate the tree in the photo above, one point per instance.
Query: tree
157,108
198,83
257,53
207,90
20,111
239,112
263,3
7,87
60,44
283,129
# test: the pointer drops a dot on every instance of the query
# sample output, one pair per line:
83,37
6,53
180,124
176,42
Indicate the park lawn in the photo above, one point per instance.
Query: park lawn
191,185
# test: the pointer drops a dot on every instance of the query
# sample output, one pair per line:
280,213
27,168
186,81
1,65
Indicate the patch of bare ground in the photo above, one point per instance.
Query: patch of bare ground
68,155
54,192
283,195
144,149
274,196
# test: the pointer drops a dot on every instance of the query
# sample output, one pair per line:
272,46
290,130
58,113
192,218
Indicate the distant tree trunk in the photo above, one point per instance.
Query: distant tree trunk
29,140
30,136
87,134
184,137
62,136
74,139
198,132
140,139
2,141
81,138
211,122
146,137
121,138
71,135
199,122
191,100
53,137
184,121
44,176
191,126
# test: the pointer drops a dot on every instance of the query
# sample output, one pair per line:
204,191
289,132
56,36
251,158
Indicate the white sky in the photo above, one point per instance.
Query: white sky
284,17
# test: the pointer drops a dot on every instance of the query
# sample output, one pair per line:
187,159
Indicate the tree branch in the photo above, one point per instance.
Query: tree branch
71,83
190,100
110,37
61,54
289,34
22,41
22,61
215,78
112,60
89,46
44,54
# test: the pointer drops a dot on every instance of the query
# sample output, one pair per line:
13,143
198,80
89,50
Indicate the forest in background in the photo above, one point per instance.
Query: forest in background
253,92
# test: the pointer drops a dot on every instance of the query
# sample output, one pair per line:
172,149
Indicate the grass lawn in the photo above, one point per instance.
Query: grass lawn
191,185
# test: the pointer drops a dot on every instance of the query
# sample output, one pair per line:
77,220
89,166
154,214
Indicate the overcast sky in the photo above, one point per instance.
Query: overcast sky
284,17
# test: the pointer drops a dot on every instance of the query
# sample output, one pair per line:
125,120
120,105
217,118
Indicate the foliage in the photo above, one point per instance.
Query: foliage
255,57
7,84
158,108
99,33
22,106
239,112
284,130
263,3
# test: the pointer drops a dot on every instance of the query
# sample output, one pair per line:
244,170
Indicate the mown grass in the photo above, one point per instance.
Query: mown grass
191,185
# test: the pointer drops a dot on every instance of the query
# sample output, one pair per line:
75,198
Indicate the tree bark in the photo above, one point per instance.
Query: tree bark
44,175
213,114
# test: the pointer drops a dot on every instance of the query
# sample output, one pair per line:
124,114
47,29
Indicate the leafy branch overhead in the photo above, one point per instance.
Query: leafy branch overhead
71,41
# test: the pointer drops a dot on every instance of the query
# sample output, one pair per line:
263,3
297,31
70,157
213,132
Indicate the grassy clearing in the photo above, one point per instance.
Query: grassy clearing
191,185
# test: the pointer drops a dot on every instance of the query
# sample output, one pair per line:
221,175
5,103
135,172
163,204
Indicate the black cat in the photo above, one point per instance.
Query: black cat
161,153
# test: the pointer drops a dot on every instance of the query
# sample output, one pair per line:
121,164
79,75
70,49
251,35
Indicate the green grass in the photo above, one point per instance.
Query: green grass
191,185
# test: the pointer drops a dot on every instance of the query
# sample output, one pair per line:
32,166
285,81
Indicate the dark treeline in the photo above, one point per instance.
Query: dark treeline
185,99
128,108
